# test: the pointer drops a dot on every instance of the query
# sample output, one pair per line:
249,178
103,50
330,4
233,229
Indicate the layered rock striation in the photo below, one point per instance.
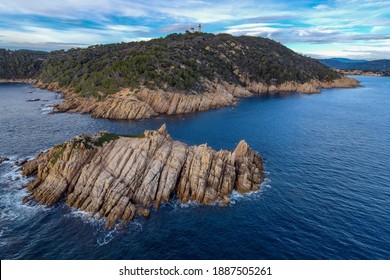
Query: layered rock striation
118,177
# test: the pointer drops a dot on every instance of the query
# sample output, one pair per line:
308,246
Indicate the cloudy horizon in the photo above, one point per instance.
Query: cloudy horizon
322,29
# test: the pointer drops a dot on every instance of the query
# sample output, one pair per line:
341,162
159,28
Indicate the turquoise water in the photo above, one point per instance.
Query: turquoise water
327,195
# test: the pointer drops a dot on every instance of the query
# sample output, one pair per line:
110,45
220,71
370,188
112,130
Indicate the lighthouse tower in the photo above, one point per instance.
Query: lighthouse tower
200,28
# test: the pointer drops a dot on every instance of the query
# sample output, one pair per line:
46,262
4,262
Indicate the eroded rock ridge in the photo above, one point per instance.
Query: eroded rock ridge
118,177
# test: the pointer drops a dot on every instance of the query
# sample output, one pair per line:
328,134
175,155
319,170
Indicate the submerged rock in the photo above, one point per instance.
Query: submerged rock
118,177
2,159
21,162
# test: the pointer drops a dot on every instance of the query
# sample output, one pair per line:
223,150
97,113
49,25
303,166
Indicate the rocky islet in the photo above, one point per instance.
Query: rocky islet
118,177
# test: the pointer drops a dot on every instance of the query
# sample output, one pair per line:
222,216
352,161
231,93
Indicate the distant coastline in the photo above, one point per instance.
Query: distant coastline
347,66
363,73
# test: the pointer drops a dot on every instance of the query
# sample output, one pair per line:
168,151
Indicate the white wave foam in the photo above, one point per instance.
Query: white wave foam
136,226
46,109
104,236
176,204
13,208
13,173
266,183
189,204
110,235
236,196
85,217
12,194
107,238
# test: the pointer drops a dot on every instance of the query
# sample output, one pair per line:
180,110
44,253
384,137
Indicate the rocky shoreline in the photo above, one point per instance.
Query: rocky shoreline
130,104
118,177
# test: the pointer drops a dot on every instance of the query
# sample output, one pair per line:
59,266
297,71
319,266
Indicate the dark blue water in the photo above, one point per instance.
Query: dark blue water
328,158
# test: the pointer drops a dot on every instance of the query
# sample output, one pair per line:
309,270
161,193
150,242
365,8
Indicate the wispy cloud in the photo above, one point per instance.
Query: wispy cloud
176,27
310,24
321,7
128,28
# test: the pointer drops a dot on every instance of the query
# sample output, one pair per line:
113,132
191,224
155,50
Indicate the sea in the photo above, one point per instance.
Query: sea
326,196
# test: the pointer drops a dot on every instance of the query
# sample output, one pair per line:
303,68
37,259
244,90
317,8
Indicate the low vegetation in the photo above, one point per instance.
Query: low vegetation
90,141
60,151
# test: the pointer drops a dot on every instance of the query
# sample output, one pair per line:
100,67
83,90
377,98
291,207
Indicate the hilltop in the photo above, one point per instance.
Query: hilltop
180,62
180,73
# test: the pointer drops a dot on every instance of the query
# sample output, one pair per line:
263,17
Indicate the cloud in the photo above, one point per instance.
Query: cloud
41,35
321,7
287,33
354,52
67,23
49,38
380,29
138,39
268,18
253,29
181,10
128,28
176,27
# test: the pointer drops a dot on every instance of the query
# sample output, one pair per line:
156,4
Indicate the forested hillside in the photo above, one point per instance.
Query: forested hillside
20,64
179,62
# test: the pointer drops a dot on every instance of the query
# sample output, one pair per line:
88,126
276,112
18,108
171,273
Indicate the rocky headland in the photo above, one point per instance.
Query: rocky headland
181,73
118,177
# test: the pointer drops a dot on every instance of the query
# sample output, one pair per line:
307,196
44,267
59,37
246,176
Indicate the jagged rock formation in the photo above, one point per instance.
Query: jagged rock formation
118,177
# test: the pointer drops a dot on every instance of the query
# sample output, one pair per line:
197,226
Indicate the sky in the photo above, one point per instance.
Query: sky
356,29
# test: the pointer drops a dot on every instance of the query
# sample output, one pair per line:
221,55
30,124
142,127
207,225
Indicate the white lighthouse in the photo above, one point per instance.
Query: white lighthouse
200,28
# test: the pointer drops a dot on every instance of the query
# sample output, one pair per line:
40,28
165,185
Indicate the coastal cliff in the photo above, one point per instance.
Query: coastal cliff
146,103
117,177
